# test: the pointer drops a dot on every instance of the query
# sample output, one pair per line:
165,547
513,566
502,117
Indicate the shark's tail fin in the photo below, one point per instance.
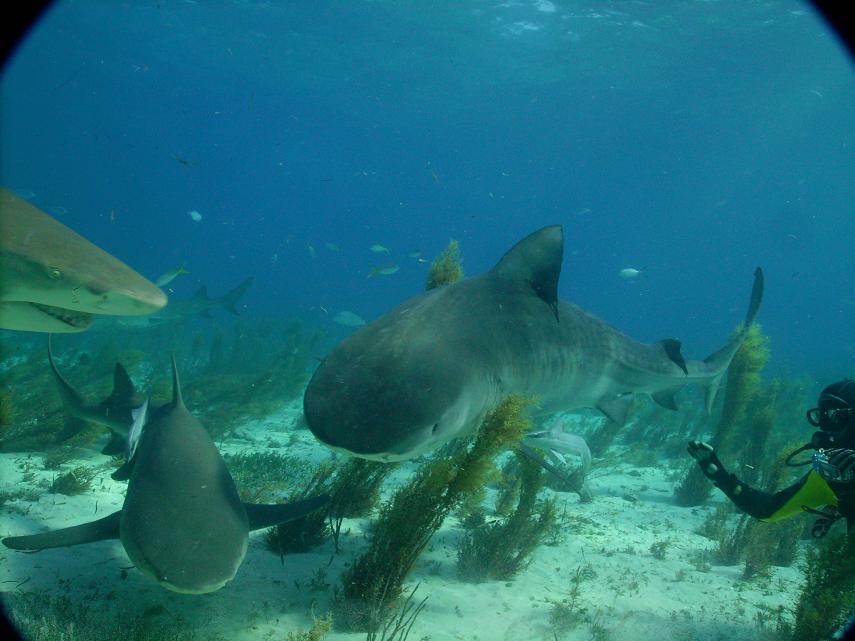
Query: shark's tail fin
719,361
231,298
71,400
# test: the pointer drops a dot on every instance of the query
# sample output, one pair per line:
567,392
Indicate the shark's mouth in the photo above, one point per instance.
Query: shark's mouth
78,320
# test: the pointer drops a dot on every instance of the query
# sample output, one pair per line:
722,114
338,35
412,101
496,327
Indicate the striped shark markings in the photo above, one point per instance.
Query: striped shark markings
430,369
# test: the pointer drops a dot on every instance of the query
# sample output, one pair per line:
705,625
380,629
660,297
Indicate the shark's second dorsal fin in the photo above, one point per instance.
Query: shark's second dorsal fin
672,348
177,401
123,387
536,261
201,293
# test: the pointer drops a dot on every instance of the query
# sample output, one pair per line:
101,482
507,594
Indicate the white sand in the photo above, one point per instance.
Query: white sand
637,596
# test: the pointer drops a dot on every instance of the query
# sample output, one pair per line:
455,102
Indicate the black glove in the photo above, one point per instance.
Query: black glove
706,457
843,461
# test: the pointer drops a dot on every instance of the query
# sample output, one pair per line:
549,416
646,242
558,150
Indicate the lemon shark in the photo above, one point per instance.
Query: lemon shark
53,280
182,521
430,369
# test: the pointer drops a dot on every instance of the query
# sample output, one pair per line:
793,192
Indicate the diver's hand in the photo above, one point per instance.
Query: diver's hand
706,457
844,461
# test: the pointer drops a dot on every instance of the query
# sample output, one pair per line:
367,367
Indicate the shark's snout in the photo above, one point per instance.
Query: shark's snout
377,409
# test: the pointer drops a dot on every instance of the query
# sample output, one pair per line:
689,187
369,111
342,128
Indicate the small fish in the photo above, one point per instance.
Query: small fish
583,210
112,216
167,277
139,416
379,249
416,253
195,215
386,270
629,272
348,319
183,161
332,247
311,250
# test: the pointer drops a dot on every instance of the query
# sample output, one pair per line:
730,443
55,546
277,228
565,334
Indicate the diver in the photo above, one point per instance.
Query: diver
826,491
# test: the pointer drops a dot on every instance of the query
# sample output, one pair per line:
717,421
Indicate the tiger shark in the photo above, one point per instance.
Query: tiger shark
182,521
430,369
53,280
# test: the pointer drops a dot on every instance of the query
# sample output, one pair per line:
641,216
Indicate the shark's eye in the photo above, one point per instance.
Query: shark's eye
55,273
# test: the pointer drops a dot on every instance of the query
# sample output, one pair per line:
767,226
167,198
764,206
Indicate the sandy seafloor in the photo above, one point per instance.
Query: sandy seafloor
637,596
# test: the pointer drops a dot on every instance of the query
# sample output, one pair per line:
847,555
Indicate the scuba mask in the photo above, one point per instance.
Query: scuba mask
835,418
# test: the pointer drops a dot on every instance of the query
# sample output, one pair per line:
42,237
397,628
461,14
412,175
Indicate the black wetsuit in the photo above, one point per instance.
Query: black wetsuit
762,505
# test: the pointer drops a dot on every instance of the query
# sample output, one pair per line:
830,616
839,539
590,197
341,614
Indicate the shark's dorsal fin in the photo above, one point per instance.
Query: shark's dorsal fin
177,401
261,516
536,261
123,387
672,351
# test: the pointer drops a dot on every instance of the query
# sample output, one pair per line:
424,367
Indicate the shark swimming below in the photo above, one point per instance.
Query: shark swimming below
53,280
430,369
182,521
115,412
182,309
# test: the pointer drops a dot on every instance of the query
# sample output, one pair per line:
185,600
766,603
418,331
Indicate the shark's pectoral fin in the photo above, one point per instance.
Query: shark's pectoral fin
615,408
672,351
106,528
262,516
116,445
665,397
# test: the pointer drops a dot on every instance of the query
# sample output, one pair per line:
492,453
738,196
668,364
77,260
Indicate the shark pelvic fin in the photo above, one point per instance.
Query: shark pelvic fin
106,528
262,516
536,261
615,408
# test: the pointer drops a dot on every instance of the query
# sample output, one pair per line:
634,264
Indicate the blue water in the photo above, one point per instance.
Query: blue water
691,140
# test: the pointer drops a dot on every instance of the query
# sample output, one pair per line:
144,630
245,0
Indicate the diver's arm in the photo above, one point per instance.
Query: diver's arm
760,505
